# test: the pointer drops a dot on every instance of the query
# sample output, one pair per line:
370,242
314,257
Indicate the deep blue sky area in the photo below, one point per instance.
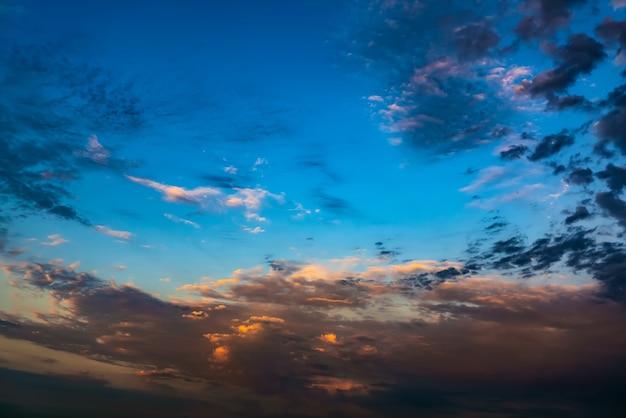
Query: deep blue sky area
351,208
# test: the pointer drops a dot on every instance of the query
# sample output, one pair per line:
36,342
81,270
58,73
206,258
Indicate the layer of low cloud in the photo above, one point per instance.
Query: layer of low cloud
356,363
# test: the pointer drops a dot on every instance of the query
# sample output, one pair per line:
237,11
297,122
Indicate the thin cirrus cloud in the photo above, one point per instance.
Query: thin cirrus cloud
200,196
177,219
125,235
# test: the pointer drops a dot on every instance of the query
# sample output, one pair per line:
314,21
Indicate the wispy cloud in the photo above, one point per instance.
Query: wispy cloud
255,230
181,220
200,196
113,233
55,240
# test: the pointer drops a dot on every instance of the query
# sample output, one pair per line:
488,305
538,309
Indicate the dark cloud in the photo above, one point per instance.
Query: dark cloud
75,396
385,254
576,249
580,176
558,169
44,130
611,271
551,145
545,17
567,102
497,224
347,366
26,184
612,32
59,280
615,177
225,181
579,56
617,97
578,215
333,204
474,40
611,128
508,246
614,206
514,152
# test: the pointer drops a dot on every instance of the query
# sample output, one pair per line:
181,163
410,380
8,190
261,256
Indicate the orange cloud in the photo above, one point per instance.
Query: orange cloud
221,354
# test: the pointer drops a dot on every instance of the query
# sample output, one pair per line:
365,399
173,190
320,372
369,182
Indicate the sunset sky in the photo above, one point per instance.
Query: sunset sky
316,208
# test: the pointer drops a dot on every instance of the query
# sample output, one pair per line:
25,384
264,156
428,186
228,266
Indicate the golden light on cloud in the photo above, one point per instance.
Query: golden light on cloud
368,350
221,354
329,338
334,384
249,329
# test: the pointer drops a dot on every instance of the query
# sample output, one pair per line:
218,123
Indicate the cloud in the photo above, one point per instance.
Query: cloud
487,175
60,280
181,220
251,200
614,206
580,214
580,55
95,151
545,17
230,169
580,176
575,249
329,338
113,233
551,145
435,95
55,240
614,32
474,40
615,177
370,362
611,128
335,205
259,162
200,196
28,184
327,285
513,152
255,230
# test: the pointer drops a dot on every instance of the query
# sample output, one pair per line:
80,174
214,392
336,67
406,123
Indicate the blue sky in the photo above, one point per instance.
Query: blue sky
325,200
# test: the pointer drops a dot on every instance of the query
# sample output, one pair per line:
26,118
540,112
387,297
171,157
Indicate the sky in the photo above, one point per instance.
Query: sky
346,208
